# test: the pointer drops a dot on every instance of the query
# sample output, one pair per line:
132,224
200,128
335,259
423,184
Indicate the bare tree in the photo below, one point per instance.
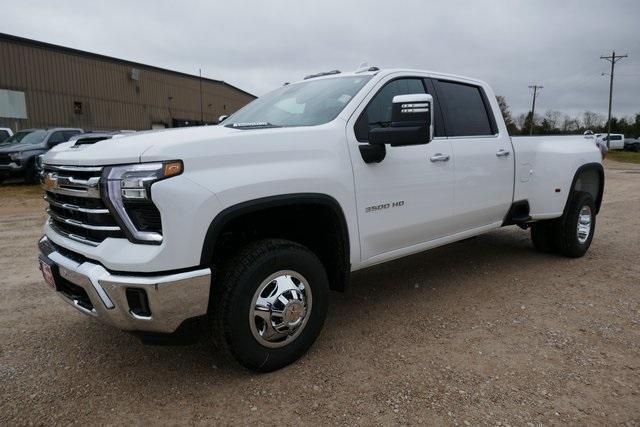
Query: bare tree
592,121
520,119
553,118
570,124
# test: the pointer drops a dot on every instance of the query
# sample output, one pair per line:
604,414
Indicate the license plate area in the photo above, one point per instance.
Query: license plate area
47,273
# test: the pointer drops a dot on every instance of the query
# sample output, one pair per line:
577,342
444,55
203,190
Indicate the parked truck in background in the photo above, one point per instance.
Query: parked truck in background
250,223
615,142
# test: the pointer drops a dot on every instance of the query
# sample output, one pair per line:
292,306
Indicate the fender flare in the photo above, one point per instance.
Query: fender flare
589,166
255,205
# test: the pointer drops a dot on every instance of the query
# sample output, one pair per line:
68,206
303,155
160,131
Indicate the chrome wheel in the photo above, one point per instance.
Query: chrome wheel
280,309
584,224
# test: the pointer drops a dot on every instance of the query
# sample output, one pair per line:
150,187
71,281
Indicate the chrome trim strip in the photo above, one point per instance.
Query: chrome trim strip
82,224
71,236
74,207
70,181
73,168
69,186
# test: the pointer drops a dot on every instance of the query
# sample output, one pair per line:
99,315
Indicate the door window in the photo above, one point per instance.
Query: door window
464,109
378,112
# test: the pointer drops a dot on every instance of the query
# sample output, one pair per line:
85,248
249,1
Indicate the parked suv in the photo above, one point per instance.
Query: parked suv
250,223
18,153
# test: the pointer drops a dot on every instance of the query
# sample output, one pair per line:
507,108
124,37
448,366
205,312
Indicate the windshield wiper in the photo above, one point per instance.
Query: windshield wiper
252,125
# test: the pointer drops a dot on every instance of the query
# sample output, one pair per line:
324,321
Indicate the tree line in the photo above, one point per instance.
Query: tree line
554,122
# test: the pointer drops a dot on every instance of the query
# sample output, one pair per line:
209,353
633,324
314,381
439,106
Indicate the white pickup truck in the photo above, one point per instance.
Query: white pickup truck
250,223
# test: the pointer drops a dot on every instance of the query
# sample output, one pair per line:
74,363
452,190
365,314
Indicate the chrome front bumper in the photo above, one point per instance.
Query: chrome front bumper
172,298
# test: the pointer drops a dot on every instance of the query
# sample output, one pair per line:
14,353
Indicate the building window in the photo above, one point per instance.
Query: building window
77,107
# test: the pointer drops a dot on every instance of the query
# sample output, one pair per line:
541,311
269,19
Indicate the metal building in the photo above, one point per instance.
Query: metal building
45,85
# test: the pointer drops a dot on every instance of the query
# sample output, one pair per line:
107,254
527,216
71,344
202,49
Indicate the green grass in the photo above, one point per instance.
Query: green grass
624,156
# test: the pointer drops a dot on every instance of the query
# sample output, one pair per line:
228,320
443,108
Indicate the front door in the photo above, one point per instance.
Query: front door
407,198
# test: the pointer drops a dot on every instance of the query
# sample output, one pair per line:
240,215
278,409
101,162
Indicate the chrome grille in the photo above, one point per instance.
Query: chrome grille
75,207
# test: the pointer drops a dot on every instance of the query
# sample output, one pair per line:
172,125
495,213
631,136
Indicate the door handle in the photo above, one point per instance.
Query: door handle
439,157
502,153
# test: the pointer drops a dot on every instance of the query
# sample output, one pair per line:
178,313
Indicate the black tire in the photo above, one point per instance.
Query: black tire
232,302
543,236
569,242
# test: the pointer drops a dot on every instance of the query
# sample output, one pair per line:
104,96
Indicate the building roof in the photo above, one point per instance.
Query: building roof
63,49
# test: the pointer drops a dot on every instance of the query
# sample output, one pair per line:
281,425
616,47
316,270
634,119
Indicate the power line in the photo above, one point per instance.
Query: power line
533,105
613,59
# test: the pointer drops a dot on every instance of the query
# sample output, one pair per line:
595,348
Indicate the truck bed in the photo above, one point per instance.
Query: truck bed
545,167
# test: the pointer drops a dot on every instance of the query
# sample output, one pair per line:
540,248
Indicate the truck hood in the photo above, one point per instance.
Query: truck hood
130,148
174,144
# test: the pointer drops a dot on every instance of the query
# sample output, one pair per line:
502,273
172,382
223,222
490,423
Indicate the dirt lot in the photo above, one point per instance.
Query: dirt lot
485,331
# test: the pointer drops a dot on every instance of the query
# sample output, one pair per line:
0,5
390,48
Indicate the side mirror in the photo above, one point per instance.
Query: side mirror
411,122
221,118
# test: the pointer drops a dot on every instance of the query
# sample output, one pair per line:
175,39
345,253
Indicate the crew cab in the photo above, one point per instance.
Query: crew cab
19,152
247,225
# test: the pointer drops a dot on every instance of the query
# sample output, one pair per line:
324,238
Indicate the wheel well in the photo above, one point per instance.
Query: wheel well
590,179
316,222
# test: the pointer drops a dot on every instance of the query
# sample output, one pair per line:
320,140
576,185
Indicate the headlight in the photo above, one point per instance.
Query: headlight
126,190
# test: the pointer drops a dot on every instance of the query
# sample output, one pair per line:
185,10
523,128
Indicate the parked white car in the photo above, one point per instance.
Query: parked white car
250,223
615,143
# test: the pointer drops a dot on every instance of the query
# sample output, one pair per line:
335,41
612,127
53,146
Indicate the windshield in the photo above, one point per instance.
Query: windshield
309,103
27,137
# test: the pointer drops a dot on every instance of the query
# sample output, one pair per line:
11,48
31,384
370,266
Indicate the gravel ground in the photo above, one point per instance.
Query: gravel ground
485,331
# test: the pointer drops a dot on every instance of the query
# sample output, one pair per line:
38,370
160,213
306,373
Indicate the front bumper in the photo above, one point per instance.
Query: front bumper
12,168
93,290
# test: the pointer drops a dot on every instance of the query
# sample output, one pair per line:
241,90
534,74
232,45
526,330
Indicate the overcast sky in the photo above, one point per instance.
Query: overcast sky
258,45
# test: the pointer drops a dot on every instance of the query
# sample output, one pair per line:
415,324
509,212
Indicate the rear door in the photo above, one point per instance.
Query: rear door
484,163
407,198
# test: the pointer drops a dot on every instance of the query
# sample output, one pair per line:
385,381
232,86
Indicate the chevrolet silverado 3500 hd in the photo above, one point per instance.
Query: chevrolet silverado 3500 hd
250,223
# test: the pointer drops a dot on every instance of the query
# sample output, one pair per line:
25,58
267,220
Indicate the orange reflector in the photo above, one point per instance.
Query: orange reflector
173,168
48,182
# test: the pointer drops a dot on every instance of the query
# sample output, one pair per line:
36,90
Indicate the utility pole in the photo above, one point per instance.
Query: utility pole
613,59
201,111
533,106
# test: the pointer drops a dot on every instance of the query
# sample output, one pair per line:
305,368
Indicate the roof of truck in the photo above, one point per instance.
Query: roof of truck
372,71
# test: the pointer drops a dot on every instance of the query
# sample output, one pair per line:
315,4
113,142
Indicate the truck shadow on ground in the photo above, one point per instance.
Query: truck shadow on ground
373,289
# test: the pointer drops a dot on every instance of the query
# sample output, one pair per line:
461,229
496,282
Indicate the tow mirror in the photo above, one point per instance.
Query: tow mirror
411,122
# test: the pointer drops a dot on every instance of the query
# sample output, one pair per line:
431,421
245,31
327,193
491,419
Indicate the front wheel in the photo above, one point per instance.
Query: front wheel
270,305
